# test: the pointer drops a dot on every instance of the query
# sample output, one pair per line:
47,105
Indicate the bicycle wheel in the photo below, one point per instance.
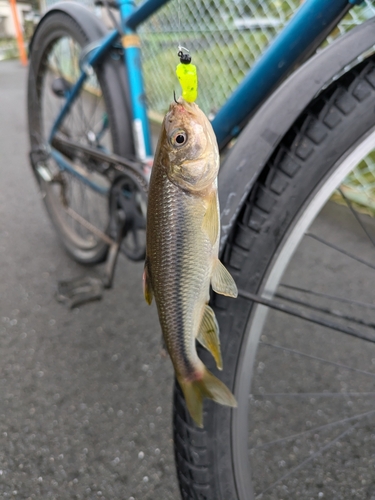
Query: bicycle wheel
99,118
306,408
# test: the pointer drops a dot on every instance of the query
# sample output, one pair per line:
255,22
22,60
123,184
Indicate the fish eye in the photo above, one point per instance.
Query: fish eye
178,138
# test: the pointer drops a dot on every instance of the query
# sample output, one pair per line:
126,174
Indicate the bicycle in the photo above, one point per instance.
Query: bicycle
305,129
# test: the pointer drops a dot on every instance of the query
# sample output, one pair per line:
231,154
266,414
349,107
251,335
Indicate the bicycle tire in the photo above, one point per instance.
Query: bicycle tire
57,33
328,131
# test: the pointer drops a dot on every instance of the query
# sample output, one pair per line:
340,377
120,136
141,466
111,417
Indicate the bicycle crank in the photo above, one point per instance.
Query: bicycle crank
127,209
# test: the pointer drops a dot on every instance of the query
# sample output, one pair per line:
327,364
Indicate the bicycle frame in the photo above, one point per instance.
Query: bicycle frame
302,35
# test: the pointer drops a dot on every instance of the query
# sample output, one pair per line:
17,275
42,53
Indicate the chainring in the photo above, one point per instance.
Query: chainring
127,208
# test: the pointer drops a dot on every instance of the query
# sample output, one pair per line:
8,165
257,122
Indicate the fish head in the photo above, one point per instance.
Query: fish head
190,151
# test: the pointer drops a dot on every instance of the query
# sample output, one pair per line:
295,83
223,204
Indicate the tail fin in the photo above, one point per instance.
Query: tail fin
207,387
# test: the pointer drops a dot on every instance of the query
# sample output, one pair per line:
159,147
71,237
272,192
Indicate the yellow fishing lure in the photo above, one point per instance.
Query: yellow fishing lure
187,76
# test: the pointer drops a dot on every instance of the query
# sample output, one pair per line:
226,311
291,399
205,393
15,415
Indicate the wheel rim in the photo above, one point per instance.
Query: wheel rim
84,124
246,366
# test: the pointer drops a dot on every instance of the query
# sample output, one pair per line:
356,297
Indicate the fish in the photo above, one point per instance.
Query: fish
182,245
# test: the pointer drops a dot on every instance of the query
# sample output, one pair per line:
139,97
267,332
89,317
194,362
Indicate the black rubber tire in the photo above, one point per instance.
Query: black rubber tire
111,77
324,133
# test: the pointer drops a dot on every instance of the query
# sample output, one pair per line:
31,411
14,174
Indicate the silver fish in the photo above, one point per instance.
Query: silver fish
183,229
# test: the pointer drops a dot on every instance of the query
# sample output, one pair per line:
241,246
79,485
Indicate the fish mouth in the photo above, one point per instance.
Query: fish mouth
181,104
182,113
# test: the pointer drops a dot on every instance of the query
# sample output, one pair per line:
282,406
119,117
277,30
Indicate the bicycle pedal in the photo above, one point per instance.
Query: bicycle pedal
79,291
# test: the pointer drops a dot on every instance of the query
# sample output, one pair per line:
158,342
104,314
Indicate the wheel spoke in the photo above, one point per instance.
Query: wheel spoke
60,59
328,296
299,235
326,310
311,394
307,460
79,103
340,250
317,358
314,429
358,219
312,318
94,107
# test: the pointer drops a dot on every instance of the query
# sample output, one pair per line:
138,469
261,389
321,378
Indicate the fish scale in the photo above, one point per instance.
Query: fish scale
183,273
182,250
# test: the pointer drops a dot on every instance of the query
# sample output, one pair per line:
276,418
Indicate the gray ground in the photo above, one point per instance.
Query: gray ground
312,409
85,395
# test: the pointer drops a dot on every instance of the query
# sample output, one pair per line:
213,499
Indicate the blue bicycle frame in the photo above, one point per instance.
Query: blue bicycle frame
311,22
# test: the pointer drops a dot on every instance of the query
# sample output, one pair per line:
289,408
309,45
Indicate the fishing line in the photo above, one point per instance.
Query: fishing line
185,71
182,51
179,22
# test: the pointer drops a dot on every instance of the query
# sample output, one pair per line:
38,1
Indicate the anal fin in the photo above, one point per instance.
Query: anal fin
222,282
208,335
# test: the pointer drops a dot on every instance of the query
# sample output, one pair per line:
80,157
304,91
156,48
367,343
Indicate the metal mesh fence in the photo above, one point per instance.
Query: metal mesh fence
225,37
359,186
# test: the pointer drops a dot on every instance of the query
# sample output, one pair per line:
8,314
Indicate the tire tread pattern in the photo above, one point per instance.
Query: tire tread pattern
309,133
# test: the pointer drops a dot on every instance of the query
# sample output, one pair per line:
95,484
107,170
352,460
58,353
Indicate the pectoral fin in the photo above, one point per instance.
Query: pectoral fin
211,219
147,288
222,282
208,335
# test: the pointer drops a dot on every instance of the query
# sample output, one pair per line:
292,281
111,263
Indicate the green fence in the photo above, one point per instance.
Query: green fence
225,37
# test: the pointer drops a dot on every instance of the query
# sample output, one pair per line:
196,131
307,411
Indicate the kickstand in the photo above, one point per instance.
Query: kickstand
85,289
110,266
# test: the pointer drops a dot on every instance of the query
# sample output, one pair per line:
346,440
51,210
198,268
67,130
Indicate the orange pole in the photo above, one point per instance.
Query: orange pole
20,42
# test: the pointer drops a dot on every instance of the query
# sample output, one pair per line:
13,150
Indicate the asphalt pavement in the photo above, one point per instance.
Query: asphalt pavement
85,394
